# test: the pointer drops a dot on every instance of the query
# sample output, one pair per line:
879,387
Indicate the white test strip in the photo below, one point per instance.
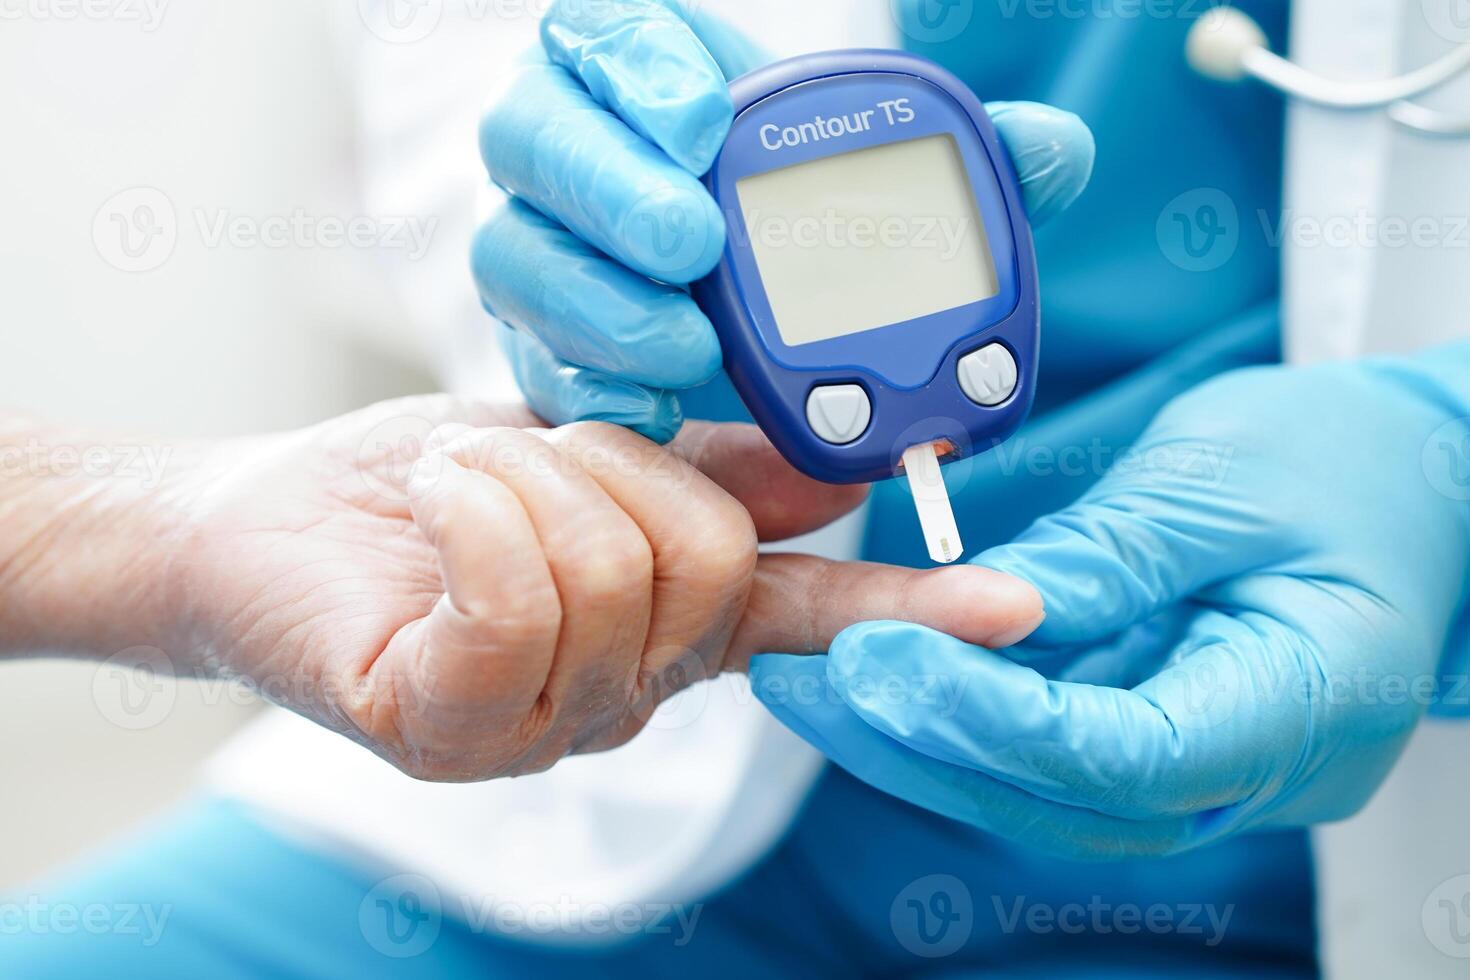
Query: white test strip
931,498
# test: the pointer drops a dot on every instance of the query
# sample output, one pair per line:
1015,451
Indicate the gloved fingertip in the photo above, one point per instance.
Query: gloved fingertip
653,413
674,234
648,65
563,393
707,129
701,358
1053,151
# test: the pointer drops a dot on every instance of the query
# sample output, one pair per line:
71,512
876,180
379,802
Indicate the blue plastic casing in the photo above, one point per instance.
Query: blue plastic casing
908,369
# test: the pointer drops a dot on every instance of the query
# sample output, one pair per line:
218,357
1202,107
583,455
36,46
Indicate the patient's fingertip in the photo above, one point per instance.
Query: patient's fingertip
978,605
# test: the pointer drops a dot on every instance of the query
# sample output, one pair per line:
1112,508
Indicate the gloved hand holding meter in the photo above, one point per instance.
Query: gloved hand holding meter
908,329
859,250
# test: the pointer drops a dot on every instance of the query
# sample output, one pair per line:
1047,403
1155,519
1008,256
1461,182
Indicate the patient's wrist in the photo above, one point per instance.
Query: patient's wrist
88,525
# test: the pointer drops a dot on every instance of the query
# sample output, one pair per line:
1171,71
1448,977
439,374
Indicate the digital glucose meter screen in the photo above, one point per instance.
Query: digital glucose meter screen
867,239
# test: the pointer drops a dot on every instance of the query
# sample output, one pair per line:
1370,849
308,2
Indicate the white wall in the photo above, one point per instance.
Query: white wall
223,105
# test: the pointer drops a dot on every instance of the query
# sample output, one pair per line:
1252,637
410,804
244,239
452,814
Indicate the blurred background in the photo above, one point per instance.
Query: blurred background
215,110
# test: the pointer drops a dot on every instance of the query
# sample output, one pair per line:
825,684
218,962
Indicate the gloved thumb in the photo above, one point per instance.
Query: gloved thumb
1053,151
1126,551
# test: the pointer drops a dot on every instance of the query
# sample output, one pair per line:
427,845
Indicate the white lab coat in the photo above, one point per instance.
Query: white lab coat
1378,291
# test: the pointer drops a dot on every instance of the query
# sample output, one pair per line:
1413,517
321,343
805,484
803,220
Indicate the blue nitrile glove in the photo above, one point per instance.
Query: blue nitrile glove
600,146
1245,621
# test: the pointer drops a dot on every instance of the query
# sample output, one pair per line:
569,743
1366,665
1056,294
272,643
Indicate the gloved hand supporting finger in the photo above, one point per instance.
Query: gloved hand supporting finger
561,392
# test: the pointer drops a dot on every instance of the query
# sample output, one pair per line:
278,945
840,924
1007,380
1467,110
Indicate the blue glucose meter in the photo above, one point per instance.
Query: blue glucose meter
877,291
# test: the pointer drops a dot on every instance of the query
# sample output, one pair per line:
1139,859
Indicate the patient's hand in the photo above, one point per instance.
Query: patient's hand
516,594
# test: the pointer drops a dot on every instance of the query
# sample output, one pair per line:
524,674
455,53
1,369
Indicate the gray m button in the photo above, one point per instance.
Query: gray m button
989,376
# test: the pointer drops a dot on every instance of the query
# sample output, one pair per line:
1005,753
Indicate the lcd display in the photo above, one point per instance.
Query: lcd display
867,239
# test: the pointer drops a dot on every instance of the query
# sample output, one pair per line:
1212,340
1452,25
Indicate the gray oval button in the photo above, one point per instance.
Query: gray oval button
989,376
839,413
